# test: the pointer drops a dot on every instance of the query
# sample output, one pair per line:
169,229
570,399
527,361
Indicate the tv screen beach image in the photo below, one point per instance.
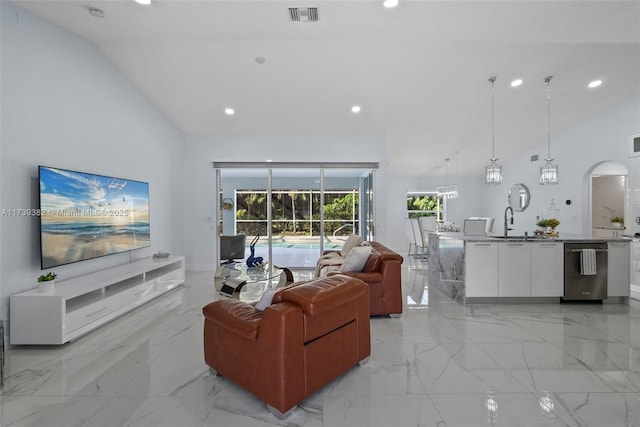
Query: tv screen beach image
85,216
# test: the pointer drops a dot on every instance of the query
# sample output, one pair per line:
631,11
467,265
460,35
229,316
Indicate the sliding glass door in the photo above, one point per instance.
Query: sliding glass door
292,212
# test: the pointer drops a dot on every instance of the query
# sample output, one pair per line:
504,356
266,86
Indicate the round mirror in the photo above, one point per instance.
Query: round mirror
519,197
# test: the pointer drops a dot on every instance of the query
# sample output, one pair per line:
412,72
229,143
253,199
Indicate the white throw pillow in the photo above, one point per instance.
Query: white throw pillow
265,300
351,242
356,259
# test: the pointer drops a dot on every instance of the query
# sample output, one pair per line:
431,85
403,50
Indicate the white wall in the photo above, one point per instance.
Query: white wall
200,231
64,104
576,152
469,203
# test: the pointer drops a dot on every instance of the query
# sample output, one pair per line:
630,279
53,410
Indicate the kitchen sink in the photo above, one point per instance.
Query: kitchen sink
522,237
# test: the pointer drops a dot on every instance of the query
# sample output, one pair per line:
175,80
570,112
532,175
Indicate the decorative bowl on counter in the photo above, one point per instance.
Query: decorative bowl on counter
548,225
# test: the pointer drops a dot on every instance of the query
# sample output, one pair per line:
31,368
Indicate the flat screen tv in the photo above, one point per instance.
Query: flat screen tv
84,216
232,247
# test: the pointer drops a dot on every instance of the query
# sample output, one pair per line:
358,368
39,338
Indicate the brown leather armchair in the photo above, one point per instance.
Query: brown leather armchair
312,333
384,276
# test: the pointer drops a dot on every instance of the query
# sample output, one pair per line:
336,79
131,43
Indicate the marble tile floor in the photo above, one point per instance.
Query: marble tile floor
439,364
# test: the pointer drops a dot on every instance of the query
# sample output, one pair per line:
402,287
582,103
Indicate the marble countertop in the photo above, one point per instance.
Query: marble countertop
562,237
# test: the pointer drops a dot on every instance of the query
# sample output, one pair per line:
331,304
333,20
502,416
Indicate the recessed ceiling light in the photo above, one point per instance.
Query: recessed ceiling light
355,109
144,2
516,83
595,83
229,111
390,3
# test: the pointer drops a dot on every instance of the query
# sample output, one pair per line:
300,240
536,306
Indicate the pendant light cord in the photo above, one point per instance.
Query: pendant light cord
446,173
548,81
492,80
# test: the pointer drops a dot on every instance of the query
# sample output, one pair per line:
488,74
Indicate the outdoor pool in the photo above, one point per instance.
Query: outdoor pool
299,242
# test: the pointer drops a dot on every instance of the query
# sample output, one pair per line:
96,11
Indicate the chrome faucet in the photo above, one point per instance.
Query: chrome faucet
506,227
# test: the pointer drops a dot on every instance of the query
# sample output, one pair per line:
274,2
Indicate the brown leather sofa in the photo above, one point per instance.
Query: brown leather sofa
312,333
382,273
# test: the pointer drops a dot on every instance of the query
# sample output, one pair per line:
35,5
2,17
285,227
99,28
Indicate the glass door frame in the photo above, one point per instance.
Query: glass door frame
367,211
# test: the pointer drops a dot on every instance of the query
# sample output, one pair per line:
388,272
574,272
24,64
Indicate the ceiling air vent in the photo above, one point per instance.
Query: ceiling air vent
303,14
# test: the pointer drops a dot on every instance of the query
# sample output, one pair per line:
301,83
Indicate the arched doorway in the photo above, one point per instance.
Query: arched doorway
606,185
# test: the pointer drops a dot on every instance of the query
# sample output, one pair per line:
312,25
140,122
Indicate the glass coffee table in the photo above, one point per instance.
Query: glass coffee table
257,279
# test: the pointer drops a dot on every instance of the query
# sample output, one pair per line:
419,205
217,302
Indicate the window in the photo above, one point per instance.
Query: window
297,212
425,204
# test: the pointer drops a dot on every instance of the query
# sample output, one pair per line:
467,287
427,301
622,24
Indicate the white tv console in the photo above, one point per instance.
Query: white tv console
74,307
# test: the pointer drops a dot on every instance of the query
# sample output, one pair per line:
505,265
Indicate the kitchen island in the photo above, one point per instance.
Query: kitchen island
475,269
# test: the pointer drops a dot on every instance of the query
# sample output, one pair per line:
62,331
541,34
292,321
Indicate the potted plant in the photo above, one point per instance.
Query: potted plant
47,281
617,221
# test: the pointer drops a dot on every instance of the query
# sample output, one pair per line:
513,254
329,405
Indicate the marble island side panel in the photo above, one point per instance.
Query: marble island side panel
446,265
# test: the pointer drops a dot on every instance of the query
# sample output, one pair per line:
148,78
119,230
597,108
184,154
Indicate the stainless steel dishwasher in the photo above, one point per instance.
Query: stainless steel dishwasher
580,286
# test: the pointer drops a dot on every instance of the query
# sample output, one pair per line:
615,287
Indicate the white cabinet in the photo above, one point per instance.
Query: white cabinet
535,268
608,232
514,269
76,306
547,269
618,268
481,274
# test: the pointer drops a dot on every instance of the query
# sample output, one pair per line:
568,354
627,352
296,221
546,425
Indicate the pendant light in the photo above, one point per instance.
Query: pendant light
548,172
493,171
448,191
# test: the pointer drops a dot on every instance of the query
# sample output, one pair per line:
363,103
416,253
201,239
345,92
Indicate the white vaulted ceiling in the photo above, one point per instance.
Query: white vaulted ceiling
419,71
